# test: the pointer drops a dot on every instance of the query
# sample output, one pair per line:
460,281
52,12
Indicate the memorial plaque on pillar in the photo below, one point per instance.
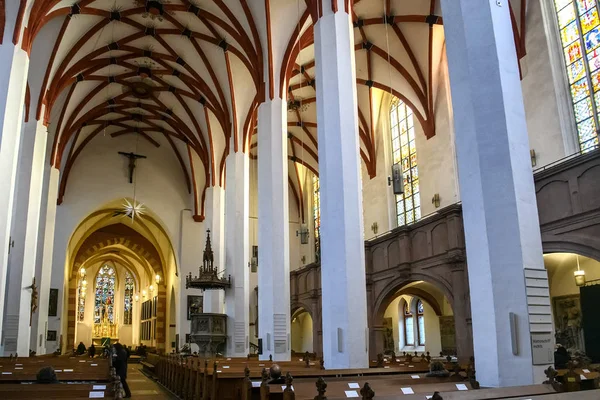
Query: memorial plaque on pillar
280,346
542,348
240,347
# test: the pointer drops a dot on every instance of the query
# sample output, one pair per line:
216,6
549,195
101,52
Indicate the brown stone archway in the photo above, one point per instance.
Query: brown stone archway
123,245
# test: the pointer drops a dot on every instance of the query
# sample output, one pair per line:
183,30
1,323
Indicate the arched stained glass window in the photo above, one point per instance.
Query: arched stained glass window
105,295
409,328
579,27
317,213
81,292
421,323
129,289
404,151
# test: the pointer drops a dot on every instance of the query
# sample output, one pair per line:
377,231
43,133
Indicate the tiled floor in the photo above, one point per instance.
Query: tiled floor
143,387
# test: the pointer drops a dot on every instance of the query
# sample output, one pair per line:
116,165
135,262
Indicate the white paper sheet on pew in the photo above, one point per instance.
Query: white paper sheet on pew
93,365
428,397
407,390
67,370
225,366
99,387
96,395
311,363
82,361
461,386
18,367
415,376
229,359
7,373
386,366
586,371
353,385
300,359
261,365
255,384
582,377
58,370
219,370
411,366
351,393
283,387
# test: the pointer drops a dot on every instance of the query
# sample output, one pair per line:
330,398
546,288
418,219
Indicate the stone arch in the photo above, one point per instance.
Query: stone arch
387,295
564,246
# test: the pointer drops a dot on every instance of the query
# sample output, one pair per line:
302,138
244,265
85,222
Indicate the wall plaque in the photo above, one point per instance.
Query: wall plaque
542,348
53,303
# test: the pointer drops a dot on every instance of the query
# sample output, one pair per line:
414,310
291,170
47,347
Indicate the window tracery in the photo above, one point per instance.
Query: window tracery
579,27
105,295
317,213
404,152
409,329
421,323
128,299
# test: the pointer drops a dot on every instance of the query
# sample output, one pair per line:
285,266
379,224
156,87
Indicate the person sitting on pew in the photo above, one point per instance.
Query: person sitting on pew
81,348
46,375
92,351
120,363
561,357
275,374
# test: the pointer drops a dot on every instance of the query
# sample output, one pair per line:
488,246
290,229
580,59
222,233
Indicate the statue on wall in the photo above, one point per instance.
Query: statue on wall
388,336
34,300
569,332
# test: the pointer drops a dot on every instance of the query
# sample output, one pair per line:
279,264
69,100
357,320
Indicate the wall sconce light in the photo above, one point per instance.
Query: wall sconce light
533,157
303,233
82,272
435,200
303,259
157,279
137,298
374,227
143,293
579,275
84,283
151,288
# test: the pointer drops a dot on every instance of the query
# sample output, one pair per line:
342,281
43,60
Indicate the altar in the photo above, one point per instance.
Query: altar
105,332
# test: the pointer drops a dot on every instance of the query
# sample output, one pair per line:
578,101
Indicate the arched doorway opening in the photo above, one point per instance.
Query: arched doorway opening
419,318
302,332
574,301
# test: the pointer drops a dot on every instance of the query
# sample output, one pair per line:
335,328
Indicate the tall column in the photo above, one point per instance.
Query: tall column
13,82
273,232
344,298
26,219
215,217
237,205
502,230
47,256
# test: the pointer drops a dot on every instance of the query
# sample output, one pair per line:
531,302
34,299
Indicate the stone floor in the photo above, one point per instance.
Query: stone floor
143,387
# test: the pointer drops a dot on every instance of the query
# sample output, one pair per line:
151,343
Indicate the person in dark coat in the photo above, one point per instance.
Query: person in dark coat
561,358
92,351
81,348
120,363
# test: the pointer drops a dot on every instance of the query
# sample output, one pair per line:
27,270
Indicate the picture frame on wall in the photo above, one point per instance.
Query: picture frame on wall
194,306
51,336
53,303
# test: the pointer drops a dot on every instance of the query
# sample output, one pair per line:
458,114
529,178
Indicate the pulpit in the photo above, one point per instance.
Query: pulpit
209,332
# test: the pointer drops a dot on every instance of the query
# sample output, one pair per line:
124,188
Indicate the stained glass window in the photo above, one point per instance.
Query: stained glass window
404,151
317,213
409,329
579,26
81,292
421,323
105,295
129,288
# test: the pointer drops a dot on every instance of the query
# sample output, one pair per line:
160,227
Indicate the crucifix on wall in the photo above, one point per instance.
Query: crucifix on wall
132,159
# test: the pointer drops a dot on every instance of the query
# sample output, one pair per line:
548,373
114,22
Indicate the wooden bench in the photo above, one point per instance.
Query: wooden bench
87,378
149,363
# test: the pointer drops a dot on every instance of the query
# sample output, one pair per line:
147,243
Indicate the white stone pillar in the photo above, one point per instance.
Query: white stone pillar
237,299
273,232
47,257
343,282
13,82
25,227
500,214
215,221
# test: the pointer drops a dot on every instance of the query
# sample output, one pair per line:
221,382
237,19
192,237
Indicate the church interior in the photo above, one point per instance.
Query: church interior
325,185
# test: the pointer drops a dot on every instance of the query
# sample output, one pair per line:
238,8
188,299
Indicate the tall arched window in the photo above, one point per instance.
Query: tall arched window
404,151
421,323
105,295
81,292
580,37
409,326
317,213
129,288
